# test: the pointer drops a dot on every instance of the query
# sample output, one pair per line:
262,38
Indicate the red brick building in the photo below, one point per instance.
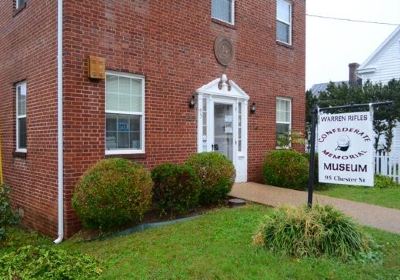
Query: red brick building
180,77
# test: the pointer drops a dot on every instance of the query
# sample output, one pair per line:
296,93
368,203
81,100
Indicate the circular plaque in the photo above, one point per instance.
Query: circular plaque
223,50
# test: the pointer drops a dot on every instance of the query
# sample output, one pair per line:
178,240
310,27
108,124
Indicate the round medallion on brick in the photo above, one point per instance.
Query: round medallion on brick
223,50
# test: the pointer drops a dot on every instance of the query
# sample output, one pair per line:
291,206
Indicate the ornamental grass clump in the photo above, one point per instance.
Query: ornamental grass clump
113,193
216,173
313,232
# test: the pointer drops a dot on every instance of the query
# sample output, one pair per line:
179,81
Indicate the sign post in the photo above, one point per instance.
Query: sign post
345,146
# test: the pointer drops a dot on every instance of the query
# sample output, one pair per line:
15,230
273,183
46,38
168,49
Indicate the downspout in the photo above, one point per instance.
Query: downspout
60,140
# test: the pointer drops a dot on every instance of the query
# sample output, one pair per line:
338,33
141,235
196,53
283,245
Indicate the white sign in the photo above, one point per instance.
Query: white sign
346,152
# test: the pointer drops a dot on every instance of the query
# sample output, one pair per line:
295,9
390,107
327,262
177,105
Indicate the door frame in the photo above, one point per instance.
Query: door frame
222,91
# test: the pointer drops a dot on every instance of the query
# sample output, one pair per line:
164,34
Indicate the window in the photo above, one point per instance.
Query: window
21,117
124,114
223,10
283,121
19,4
284,21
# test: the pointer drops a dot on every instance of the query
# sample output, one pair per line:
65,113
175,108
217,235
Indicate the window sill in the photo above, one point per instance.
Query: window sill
126,156
283,44
224,23
19,154
17,11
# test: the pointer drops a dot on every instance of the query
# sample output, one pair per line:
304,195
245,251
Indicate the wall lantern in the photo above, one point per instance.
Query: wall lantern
192,102
253,108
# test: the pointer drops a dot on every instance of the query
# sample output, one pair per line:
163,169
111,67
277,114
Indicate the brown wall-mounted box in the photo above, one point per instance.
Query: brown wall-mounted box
97,67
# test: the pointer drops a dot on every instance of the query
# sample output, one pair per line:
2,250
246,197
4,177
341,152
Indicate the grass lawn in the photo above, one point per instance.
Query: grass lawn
217,246
387,197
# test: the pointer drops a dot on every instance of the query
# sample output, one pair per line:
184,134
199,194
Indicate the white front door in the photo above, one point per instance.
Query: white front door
222,126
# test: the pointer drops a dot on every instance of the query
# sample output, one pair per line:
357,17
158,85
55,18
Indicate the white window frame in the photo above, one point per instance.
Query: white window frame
232,21
23,87
17,6
142,114
285,22
290,118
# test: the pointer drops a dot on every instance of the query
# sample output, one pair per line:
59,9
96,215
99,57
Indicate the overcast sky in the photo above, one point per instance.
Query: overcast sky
332,45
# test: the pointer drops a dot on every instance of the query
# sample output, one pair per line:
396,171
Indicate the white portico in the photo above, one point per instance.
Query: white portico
222,122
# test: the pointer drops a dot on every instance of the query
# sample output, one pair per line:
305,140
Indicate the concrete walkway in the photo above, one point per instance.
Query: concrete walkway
370,215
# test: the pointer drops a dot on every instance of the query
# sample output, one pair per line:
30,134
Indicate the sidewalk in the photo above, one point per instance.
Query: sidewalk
370,215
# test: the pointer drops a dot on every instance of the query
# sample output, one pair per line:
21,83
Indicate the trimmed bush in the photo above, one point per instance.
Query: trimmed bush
176,188
384,182
312,232
286,168
216,174
31,262
112,193
7,215
316,170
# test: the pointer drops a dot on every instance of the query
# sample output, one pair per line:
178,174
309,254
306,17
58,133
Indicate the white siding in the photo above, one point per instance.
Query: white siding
381,67
395,153
386,63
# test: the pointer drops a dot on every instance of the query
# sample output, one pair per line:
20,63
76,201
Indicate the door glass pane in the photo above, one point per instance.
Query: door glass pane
204,125
223,129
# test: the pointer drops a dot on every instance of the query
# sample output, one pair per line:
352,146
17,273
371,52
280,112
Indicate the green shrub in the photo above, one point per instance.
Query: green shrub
31,262
7,215
112,193
316,170
286,168
312,232
384,182
216,174
176,188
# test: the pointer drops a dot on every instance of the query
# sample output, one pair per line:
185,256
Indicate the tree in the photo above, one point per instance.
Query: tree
385,117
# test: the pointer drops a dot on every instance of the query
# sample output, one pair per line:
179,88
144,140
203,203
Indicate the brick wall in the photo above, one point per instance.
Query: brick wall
171,45
28,52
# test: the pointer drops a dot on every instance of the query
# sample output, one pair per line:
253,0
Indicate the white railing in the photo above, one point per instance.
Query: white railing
387,165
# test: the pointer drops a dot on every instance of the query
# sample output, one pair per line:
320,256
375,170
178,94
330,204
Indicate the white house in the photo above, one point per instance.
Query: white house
382,66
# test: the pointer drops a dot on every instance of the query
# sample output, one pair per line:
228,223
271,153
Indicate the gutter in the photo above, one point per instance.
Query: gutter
60,140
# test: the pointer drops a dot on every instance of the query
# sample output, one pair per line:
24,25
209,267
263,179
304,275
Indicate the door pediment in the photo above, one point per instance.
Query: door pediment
223,87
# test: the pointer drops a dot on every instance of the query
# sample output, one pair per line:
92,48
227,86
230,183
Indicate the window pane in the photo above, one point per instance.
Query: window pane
123,140
21,95
282,133
124,94
22,133
111,140
137,96
123,132
282,32
20,3
283,11
222,10
111,123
